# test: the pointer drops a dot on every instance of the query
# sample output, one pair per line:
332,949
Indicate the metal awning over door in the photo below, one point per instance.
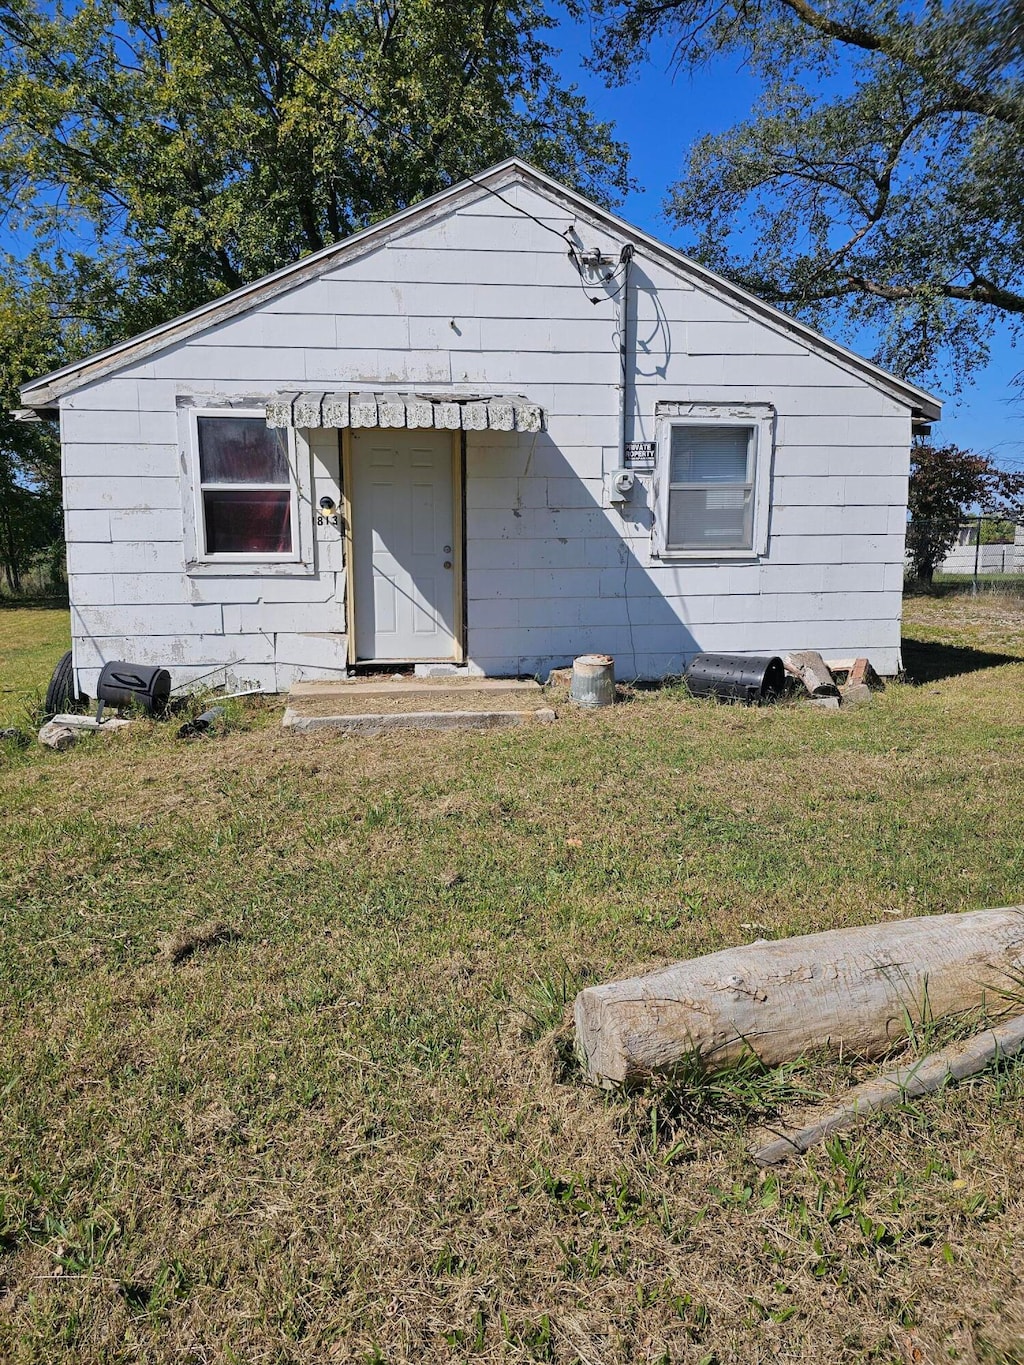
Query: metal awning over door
443,412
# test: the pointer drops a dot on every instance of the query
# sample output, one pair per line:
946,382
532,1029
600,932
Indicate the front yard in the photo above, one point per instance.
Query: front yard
284,1069
32,639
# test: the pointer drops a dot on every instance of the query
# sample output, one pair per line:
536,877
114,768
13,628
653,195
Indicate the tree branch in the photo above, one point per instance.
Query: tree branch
978,291
853,34
987,104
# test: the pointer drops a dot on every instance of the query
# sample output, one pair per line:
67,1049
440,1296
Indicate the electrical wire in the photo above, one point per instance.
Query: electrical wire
620,269
578,266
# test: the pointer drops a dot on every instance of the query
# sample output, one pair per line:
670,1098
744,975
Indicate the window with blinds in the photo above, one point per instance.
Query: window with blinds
711,488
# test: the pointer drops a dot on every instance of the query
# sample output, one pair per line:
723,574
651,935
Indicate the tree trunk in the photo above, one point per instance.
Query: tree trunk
847,990
10,554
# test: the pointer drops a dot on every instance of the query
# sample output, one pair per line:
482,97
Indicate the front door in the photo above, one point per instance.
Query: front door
401,501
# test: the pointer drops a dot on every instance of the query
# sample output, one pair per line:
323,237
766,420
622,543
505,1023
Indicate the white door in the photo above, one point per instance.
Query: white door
403,541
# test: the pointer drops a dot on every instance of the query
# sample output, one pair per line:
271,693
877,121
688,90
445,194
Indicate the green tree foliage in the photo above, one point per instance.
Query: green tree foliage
164,151
158,153
30,492
997,531
878,182
945,482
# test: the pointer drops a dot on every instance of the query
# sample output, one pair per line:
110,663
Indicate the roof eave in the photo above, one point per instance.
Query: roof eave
45,392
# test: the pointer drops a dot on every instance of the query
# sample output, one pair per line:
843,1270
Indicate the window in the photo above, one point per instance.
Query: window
713,480
246,489
711,488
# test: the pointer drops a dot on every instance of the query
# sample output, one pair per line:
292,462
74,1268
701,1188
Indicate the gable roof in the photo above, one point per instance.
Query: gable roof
44,393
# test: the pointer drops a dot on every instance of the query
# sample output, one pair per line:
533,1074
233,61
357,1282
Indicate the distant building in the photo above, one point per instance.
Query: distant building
1004,558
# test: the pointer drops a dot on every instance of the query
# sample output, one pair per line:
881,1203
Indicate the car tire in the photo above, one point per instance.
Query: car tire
61,696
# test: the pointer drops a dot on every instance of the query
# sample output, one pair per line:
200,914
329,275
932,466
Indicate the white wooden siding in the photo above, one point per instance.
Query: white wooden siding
551,571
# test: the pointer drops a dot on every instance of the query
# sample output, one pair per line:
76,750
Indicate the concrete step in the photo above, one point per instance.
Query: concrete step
367,706
377,723
408,687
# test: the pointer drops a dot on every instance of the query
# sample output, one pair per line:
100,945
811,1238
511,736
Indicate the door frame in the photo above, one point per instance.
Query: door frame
458,549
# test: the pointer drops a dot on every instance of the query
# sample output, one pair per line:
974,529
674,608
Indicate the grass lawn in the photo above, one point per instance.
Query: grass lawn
283,1064
32,640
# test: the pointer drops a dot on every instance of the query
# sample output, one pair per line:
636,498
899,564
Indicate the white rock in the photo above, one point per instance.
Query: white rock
56,736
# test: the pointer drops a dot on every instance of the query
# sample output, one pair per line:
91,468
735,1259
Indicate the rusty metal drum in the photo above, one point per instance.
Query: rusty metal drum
593,680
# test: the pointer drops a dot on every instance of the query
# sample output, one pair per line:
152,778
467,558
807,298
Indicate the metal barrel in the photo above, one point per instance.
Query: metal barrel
593,680
122,684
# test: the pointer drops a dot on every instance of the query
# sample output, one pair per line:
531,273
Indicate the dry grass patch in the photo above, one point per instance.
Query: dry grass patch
954,632
352,1129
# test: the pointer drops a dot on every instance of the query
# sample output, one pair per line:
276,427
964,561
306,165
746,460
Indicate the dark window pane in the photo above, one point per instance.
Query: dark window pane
710,454
241,450
253,522
710,519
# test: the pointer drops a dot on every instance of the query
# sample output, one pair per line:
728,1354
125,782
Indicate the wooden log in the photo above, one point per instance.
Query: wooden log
953,1063
812,671
846,990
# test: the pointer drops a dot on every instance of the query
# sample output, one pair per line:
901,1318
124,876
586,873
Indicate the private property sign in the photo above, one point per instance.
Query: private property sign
639,455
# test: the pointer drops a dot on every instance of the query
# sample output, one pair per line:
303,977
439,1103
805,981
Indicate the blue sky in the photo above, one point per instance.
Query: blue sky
659,115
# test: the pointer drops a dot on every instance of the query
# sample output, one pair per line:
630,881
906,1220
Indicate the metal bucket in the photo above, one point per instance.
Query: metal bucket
754,679
593,680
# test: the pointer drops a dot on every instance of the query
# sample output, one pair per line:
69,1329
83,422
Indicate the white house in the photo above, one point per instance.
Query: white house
502,427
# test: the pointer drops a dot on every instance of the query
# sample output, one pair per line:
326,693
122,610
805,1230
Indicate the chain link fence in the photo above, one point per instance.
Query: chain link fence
985,546
987,549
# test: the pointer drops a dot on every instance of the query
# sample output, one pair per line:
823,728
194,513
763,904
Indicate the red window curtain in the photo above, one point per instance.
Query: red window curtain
241,450
253,521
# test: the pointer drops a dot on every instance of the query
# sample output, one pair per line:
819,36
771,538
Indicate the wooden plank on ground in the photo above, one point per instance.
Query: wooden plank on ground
953,1063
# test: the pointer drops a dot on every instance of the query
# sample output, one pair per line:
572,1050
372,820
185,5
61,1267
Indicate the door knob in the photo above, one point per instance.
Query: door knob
447,563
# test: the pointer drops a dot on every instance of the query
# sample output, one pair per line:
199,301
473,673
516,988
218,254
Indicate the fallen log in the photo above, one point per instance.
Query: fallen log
847,990
953,1063
813,672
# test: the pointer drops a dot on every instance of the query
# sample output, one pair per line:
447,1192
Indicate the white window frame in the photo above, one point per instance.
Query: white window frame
199,561
759,419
